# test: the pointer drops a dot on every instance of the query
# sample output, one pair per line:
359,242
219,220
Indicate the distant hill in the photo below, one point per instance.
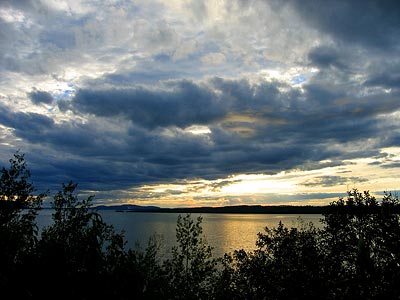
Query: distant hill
252,209
127,207
239,209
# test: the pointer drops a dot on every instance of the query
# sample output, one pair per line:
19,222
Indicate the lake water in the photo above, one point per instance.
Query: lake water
224,232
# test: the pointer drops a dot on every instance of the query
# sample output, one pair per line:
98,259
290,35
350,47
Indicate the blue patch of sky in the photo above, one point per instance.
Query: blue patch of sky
395,193
299,79
162,58
64,94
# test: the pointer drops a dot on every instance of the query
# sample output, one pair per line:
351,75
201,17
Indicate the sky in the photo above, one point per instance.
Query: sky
203,103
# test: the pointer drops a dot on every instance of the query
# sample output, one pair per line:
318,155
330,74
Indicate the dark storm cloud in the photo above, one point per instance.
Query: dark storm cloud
369,23
389,77
38,97
185,104
40,129
26,125
135,136
281,131
327,114
98,157
325,56
328,181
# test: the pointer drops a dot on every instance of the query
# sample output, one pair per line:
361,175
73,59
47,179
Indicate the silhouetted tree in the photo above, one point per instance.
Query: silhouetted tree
192,269
355,256
137,273
361,244
74,248
285,265
18,229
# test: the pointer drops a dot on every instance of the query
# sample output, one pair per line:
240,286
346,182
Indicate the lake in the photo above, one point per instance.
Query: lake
224,232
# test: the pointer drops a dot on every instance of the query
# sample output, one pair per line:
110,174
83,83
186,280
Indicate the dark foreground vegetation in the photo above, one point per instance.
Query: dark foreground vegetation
355,256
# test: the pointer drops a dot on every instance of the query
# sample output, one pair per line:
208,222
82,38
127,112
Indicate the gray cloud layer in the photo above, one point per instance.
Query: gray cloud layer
254,128
369,23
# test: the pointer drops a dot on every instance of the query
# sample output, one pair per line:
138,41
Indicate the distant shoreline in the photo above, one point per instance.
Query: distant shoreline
242,209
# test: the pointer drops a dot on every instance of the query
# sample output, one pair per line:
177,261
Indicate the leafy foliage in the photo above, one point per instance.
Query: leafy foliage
285,265
355,256
361,241
192,268
73,246
18,230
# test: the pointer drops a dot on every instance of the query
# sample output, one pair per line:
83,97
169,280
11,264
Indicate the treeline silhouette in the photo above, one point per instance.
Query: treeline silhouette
235,209
356,255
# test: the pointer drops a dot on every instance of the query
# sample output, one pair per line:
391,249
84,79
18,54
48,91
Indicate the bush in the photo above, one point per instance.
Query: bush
355,256
361,244
72,249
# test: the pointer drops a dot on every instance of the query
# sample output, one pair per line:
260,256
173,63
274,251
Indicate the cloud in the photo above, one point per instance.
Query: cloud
213,58
325,57
182,105
329,181
253,127
20,4
38,97
26,125
385,76
274,86
371,24
132,136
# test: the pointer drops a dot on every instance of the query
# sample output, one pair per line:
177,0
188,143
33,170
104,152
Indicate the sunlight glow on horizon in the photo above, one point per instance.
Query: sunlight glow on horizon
262,189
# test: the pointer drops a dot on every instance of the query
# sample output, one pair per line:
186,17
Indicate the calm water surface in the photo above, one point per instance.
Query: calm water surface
224,232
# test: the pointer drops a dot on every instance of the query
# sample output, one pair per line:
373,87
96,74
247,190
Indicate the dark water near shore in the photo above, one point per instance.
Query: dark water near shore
224,232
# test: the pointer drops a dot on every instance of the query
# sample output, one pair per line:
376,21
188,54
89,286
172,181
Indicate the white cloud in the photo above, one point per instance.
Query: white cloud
185,49
213,59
